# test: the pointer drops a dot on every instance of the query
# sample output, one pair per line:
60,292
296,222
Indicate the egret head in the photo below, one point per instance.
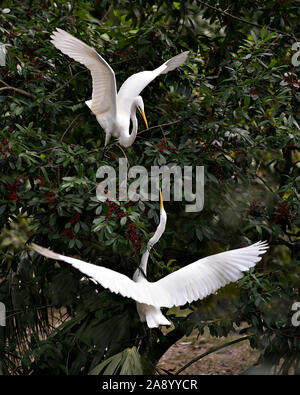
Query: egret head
139,104
159,231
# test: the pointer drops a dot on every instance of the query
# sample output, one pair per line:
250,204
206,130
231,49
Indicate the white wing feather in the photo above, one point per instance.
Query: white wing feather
192,282
134,85
205,276
104,94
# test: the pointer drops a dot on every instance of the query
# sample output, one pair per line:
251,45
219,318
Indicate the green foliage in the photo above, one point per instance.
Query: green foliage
127,362
233,108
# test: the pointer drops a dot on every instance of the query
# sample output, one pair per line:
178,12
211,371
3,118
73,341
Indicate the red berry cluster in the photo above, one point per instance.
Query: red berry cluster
253,204
218,172
120,54
41,183
129,204
114,208
133,237
69,233
38,76
145,212
209,115
291,80
9,27
50,195
238,152
284,213
12,188
163,144
4,148
75,218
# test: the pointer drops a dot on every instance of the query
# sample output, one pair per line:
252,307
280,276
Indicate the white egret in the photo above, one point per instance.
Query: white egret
113,111
190,283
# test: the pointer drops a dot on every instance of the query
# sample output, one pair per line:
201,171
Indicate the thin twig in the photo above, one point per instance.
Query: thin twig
71,79
118,145
19,311
159,126
69,127
105,15
211,350
225,13
264,182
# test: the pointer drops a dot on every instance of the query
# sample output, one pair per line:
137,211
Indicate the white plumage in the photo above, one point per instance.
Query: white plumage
113,111
188,284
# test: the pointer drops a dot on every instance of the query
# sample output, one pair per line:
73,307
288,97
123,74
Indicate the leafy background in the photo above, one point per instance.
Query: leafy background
233,108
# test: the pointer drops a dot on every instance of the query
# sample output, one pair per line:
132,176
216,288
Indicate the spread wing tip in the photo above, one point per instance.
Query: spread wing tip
262,246
45,252
175,62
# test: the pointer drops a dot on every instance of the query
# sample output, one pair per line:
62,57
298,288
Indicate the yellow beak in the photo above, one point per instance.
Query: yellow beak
144,117
161,201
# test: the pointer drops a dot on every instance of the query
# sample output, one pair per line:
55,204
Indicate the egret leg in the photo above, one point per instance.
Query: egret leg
103,152
107,138
144,326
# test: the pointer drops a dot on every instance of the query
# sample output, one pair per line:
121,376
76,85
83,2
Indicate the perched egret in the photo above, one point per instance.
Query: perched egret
113,111
190,283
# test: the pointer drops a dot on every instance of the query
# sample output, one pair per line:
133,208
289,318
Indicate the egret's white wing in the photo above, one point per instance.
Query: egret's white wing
110,279
134,85
104,94
204,277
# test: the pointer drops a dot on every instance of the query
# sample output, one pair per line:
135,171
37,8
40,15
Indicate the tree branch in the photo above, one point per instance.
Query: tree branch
21,91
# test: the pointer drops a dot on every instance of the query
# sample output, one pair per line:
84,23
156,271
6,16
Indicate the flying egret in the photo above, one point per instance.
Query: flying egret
113,111
190,283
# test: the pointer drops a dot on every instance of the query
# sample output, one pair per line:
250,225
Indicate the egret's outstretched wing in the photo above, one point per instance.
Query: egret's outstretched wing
103,102
204,277
134,85
110,279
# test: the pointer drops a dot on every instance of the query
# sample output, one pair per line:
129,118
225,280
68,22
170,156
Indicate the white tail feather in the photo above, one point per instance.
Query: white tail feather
152,315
